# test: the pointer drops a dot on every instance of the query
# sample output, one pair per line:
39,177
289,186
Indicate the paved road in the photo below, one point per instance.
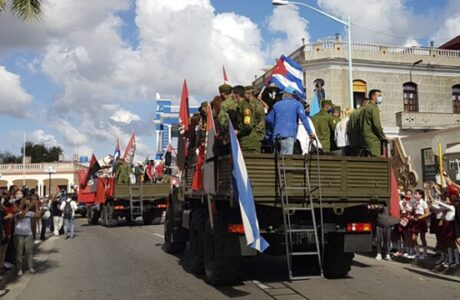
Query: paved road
128,263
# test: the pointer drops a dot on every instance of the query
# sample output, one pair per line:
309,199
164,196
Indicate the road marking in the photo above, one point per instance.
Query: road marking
278,290
159,235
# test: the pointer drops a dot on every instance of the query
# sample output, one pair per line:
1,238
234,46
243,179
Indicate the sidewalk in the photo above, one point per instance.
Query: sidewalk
429,263
15,285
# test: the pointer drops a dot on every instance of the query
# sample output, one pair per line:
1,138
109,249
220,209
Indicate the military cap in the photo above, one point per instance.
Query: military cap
225,88
325,102
249,88
337,108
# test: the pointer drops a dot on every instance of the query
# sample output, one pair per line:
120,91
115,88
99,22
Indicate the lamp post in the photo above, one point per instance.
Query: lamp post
413,65
50,171
347,25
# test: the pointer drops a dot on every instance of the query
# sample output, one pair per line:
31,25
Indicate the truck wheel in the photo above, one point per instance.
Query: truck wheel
337,263
147,217
110,221
103,215
197,228
219,268
171,246
93,216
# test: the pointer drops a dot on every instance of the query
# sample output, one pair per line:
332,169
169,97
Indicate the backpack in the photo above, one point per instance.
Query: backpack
67,210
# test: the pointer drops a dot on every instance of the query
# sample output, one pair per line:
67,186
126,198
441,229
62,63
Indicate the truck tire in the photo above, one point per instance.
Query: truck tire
337,263
93,216
110,221
197,228
219,267
147,217
170,246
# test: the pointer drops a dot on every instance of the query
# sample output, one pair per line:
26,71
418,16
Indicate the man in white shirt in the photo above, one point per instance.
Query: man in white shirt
68,209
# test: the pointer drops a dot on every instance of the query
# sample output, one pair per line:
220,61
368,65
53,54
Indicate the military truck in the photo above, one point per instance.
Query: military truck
313,209
108,201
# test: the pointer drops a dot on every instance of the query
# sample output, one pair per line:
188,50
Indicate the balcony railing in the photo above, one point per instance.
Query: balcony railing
426,120
39,167
374,48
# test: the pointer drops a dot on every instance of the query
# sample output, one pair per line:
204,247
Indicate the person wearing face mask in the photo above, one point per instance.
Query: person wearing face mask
371,126
324,125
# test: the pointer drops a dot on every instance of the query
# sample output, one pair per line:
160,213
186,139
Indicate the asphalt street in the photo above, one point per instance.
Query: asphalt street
129,263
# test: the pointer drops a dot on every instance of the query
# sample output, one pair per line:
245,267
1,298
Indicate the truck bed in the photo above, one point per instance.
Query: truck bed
150,190
345,181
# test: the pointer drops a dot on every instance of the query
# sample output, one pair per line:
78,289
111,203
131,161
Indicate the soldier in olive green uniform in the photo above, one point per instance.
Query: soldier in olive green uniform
324,125
354,130
336,115
246,124
228,109
372,130
259,112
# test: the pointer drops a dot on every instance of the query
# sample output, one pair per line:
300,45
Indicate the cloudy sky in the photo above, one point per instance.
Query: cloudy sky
88,71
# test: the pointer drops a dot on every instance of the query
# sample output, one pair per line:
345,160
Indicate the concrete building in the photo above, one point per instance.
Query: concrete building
420,86
37,176
166,125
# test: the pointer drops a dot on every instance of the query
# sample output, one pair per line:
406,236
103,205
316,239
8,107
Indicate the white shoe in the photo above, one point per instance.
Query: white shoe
36,242
388,257
8,265
379,256
20,273
405,255
32,270
411,256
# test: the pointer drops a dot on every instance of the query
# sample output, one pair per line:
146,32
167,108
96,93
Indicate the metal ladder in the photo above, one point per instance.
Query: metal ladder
288,211
136,200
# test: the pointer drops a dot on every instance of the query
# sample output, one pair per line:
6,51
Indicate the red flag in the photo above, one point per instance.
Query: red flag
197,180
394,202
208,170
225,75
130,150
183,110
183,128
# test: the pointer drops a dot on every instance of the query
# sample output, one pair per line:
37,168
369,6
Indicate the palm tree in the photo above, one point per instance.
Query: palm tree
24,9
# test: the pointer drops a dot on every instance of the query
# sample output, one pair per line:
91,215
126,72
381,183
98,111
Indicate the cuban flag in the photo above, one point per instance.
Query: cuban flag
116,153
288,72
243,191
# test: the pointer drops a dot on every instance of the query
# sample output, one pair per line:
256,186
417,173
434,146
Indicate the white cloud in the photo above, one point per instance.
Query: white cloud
412,43
14,100
124,116
39,136
286,19
449,30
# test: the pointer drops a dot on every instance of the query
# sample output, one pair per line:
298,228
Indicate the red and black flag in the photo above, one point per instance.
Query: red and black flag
183,127
91,174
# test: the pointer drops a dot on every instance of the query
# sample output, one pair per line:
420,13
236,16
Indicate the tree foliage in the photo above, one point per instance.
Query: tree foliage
24,9
38,153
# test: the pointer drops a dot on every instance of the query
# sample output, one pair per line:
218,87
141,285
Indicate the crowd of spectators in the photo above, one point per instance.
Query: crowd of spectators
25,219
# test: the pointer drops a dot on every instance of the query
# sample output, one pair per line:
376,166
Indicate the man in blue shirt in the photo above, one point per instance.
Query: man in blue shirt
284,119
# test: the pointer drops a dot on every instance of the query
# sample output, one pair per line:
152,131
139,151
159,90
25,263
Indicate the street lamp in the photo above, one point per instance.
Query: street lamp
50,171
413,65
347,25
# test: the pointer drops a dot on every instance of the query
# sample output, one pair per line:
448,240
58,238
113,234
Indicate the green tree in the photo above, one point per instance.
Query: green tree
24,9
40,153
9,158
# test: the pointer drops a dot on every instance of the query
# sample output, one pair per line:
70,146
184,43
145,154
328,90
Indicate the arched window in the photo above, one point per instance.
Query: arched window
410,97
456,98
359,92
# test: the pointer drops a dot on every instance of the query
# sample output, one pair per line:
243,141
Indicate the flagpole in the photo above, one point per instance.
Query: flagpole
24,160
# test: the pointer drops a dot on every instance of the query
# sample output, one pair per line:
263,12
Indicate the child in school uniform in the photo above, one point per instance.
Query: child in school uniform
446,232
405,225
420,213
